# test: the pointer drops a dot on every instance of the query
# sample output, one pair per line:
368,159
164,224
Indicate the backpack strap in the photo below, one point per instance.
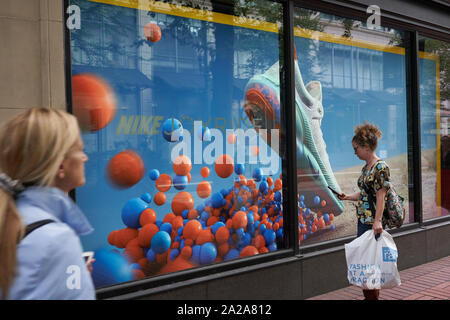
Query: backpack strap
33,226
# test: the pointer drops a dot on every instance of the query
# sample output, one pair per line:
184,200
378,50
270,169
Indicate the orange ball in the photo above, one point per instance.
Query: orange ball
212,220
223,249
183,200
277,185
239,220
263,250
152,32
254,150
177,223
204,236
146,234
169,218
94,102
163,183
147,216
260,241
204,172
159,199
124,236
248,251
224,166
192,229
133,251
192,214
138,274
176,265
182,165
204,189
125,169
112,237
231,138
186,252
222,235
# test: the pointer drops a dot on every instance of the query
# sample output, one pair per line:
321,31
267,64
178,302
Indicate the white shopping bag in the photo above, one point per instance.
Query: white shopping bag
372,264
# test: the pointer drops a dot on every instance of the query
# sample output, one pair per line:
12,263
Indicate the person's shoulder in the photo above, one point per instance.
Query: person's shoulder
381,165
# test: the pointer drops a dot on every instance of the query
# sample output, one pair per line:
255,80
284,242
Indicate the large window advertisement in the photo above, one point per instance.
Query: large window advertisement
182,131
346,73
434,122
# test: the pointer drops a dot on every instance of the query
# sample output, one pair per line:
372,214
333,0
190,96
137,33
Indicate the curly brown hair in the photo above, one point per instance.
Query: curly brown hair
367,134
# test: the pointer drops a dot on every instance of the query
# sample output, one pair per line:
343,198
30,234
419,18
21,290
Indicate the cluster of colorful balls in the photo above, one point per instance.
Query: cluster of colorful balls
241,221
309,221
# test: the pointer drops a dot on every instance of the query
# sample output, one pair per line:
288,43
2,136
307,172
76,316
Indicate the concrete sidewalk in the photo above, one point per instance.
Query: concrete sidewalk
430,281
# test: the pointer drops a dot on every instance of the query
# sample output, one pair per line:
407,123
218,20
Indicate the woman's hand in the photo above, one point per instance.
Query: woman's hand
377,227
89,265
343,196
354,196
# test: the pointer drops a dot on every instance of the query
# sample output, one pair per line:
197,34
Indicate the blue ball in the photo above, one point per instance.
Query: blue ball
277,196
262,229
240,233
269,236
231,255
160,242
218,200
110,267
239,168
167,227
131,212
280,233
172,130
180,182
250,218
196,254
216,227
316,200
174,254
263,186
246,240
208,253
272,247
204,216
257,174
200,208
154,174
147,197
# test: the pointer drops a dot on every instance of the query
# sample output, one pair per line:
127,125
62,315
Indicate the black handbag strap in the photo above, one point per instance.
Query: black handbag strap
33,226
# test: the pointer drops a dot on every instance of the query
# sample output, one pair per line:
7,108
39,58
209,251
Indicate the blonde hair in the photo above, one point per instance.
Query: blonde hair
32,147
367,134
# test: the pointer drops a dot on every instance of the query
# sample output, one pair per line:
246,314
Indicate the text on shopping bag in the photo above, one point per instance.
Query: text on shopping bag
389,254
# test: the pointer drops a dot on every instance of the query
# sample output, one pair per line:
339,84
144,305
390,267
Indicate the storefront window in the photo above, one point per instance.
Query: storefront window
346,73
182,133
434,58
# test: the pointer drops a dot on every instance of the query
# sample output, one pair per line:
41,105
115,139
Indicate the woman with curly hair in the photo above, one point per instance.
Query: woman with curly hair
374,179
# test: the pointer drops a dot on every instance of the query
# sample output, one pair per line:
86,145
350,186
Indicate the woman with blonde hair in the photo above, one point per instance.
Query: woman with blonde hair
373,183
41,160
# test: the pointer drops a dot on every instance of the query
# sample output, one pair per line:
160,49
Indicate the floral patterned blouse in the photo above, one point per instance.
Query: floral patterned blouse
374,179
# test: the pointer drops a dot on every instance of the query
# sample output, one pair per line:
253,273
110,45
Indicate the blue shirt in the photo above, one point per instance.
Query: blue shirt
49,260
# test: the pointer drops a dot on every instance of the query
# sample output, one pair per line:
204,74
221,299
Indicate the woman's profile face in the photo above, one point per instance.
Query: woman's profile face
72,168
358,150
